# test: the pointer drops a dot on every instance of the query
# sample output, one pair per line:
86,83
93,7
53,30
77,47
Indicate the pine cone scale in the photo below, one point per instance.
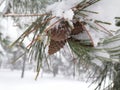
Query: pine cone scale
55,46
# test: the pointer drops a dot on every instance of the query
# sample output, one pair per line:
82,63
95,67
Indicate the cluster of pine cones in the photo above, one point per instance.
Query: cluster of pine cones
59,35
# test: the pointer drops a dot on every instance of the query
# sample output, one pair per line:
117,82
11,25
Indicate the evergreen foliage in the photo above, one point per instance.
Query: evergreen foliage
83,52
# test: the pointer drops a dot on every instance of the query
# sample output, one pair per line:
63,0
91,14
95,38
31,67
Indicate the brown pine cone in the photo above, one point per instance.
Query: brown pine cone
55,46
78,28
60,33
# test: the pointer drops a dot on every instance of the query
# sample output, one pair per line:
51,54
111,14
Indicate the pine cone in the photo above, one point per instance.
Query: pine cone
78,28
60,33
55,46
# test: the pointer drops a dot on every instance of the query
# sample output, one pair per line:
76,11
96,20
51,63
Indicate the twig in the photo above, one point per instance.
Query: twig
89,11
23,15
18,58
38,72
103,28
84,5
52,25
37,38
98,21
24,33
117,17
38,26
88,34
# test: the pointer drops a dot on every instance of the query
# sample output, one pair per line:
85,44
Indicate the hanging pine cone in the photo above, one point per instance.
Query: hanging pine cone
60,33
78,28
55,46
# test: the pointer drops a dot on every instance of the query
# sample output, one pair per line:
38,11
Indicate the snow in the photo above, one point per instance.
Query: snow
10,80
9,29
81,36
107,11
68,14
63,9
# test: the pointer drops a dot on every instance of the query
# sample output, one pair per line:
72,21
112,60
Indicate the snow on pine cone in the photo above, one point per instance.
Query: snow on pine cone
60,33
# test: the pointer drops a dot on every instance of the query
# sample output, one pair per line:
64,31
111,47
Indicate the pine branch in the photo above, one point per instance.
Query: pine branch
84,5
97,23
24,15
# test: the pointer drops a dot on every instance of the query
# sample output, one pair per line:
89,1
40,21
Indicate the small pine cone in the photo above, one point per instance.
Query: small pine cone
55,46
78,28
60,33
